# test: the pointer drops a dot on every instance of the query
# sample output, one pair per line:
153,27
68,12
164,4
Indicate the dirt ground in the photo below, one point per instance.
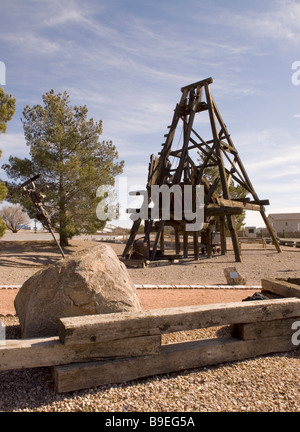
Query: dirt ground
20,259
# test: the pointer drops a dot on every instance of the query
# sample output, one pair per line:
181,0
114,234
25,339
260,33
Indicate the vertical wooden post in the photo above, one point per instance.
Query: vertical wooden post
185,245
158,235
196,245
162,242
177,241
271,232
148,228
133,232
234,238
209,242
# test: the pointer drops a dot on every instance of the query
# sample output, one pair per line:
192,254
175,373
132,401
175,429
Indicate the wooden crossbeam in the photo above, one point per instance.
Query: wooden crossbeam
280,287
173,358
239,204
45,352
197,84
258,330
100,328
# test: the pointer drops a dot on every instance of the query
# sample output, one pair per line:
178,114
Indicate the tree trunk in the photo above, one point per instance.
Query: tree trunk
63,236
63,240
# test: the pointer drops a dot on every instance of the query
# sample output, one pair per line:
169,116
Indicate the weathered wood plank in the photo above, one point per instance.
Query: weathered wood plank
173,358
263,329
216,210
81,329
30,353
239,204
197,84
283,288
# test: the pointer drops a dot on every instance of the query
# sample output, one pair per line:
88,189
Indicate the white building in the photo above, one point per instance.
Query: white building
285,222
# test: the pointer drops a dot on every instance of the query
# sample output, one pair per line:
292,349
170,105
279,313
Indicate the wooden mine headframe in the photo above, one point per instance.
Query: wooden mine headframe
186,166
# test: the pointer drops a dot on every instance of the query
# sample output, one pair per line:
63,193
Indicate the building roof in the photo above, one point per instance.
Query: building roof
284,216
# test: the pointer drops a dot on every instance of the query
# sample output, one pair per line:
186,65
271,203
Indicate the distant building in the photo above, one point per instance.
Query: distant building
262,232
285,222
250,231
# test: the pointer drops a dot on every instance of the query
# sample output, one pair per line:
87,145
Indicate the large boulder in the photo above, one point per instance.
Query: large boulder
94,281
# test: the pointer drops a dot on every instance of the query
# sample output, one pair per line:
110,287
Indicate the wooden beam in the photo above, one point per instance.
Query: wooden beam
282,288
157,238
196,245
263,329
207,186
240,204
185,244
211,191
100,328
31,353
209,242
228,147
265,202
133,233
215,210
240,181
197,84
246,199
271,232
213,112
205,163
173,358
186,138
161,176
177,241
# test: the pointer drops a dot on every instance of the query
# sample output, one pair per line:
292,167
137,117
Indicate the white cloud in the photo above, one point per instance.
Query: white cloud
62,13
276,160
32,43
13,144
280,23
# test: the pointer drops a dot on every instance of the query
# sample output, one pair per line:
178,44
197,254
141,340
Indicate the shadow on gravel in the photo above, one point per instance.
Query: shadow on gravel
30,254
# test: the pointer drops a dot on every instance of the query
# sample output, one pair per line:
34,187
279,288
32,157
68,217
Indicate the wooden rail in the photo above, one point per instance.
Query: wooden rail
101,328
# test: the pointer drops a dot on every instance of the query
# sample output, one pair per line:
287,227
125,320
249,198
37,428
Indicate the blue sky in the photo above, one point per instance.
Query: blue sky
128,59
